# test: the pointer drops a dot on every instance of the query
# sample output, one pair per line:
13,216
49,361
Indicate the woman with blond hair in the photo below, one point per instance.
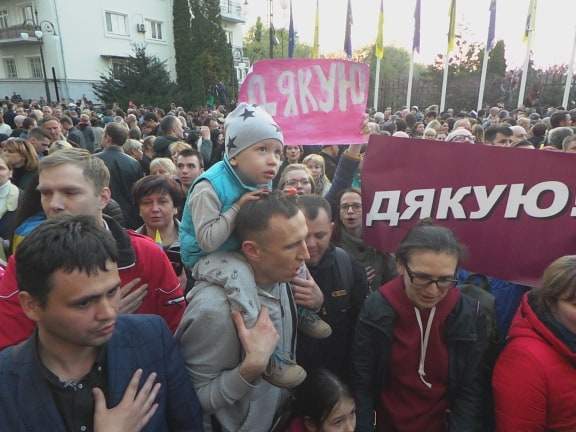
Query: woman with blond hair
9,194
315,163
163,166
299,177
23,159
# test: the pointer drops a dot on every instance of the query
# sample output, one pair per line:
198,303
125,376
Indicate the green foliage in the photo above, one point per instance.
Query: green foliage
187,85
395,65
497,60
257,43
143,80
203,55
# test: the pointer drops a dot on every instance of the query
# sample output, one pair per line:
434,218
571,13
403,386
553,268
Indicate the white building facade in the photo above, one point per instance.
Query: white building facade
80,40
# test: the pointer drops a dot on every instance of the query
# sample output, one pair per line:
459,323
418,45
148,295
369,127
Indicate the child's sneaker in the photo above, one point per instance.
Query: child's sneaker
312,325
284,372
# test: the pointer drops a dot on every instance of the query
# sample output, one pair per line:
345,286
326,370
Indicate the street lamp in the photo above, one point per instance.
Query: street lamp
41,28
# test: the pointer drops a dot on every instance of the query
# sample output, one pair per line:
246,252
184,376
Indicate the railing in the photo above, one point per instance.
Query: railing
13,33
231,9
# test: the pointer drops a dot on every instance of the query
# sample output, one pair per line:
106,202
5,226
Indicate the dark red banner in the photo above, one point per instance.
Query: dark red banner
514,209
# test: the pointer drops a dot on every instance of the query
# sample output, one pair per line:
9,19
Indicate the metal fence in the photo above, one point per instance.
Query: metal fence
462,93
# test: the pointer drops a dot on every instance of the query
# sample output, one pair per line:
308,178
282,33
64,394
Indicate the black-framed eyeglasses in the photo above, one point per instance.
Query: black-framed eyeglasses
354,206
423,281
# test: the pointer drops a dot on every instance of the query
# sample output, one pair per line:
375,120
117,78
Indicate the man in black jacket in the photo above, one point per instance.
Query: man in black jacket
344,285
124,171
172,131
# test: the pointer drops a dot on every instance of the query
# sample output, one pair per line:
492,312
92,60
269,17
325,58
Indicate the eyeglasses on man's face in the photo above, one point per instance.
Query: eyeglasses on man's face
422,280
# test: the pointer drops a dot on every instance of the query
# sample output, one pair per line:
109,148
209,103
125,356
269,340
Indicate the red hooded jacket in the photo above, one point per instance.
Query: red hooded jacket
535,378
139,257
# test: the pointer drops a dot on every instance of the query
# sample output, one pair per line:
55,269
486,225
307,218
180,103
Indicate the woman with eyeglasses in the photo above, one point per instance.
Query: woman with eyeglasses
419,343
380,267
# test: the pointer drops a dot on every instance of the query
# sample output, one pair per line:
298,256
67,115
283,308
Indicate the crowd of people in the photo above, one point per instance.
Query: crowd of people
188,271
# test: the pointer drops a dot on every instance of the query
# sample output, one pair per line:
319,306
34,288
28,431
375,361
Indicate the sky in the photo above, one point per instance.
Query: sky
553,38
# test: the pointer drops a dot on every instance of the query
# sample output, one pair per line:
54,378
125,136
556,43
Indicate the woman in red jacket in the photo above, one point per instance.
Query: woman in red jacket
535,377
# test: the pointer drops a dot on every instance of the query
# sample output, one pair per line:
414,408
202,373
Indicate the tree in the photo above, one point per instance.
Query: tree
143,80
394,68
203,54
187,84
497,59
257,43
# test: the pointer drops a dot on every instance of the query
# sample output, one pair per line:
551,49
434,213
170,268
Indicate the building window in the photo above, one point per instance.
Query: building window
229,37
154,29
36,67
118,67
3,19
116,24
10,68
28,14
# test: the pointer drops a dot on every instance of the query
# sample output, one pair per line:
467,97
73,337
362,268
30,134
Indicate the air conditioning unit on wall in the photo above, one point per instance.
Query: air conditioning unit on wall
140,28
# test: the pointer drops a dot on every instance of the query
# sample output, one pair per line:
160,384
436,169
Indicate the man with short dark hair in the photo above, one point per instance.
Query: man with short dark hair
124,171
344,285
172,131
82,368
40,140
189,166
538,134
500,136
73,182
149,124
72,134
52,127
557,135
560,119
225,359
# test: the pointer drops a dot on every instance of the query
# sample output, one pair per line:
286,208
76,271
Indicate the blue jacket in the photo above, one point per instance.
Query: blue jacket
139,341
229,189
507,296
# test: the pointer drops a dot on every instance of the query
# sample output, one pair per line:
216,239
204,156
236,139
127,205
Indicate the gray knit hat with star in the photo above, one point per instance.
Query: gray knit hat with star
248,125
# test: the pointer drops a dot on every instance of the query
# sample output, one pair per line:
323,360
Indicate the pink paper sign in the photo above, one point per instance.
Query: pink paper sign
315,101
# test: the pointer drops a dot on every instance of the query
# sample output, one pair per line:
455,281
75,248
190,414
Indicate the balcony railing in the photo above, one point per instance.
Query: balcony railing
12,34
231,10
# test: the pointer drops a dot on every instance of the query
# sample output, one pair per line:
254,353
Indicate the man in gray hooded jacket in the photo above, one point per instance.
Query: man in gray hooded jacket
226,360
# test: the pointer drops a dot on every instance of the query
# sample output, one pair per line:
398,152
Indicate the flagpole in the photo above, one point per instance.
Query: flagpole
483,79
410,80
377,84
569,76
529,32
487,50
525,71
444,81
449,48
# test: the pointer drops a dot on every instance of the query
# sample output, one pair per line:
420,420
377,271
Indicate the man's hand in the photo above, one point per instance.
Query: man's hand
258,342
134,410
307,293
131,301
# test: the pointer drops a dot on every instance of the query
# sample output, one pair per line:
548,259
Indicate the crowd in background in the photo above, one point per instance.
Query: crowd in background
391,345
